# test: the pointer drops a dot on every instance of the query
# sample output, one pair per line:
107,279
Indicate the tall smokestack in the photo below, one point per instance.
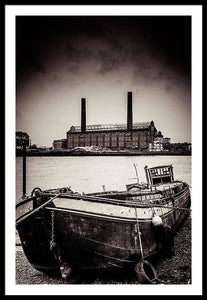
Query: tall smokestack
83,114
129,111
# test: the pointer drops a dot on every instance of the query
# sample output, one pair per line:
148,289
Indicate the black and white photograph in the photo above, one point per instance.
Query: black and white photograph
104,104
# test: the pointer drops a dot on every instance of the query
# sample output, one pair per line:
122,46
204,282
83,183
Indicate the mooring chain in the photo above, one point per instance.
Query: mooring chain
53,245
52,241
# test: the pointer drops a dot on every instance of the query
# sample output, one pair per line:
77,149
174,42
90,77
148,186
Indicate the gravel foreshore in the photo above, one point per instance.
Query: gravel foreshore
170,270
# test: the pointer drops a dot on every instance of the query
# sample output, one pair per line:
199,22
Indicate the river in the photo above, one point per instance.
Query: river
89,174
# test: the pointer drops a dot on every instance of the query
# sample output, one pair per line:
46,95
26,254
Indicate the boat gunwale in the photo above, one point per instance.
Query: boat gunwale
97,198
98,215
114,217
104,200
24,201
125,202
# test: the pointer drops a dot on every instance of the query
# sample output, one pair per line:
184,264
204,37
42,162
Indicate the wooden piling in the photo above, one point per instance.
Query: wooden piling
24,171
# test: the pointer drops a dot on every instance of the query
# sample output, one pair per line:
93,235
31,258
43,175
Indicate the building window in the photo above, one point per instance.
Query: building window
100,140
87,140
107,140
113,140
121,140
135,140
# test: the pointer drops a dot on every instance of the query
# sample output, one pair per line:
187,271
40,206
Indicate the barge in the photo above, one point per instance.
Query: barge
61,230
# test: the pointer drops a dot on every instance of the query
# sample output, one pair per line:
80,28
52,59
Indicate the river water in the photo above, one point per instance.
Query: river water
90,173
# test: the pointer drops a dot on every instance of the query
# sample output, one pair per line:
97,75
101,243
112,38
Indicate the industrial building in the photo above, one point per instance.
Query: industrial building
132,135
158,144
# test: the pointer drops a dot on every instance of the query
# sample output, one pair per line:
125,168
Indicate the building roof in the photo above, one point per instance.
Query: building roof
20,134
110,127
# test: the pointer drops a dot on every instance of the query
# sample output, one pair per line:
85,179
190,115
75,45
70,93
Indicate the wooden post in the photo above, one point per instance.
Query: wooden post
172,177
24,170
147,175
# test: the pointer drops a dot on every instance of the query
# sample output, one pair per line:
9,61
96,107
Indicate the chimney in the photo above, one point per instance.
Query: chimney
83,114
129,111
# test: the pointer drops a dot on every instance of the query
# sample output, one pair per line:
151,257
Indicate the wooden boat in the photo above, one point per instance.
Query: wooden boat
62,230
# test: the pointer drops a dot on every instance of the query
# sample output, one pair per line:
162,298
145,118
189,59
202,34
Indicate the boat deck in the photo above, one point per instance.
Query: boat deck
124,210
107,209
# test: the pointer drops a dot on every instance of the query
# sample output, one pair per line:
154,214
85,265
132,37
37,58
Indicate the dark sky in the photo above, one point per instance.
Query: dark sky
60,59
167,38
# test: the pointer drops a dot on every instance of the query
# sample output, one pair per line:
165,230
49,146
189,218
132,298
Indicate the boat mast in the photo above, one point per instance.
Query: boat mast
135,166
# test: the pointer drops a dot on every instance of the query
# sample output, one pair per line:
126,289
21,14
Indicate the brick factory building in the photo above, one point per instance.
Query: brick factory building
133,135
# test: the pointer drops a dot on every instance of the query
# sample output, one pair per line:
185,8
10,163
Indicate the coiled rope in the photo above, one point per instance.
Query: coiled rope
146,273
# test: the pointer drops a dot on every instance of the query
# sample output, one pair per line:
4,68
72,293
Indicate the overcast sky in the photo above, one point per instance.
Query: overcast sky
59,60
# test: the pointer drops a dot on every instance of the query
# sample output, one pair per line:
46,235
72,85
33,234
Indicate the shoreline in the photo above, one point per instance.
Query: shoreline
69,153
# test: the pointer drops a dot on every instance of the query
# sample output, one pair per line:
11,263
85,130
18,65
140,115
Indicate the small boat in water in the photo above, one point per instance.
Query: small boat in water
61,230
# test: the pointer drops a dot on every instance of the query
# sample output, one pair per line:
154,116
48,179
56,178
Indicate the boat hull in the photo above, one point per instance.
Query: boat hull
90,240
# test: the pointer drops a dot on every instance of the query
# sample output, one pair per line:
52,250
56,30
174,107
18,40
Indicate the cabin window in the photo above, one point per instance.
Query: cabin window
166,179
156,180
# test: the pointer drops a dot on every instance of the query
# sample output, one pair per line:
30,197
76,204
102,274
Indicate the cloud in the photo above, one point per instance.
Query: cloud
144,48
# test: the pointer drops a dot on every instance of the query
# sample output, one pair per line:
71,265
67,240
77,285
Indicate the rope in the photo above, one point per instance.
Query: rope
111,257
164,222
139,235
108,245
153,211
172,207
157,280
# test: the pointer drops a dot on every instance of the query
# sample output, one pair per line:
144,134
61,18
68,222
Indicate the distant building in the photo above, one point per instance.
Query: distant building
60,144
22,138
33,146
179,147
157,144
136,135
113,136
166,140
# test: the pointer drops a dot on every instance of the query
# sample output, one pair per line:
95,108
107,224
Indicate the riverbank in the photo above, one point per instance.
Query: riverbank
101,153
170,270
